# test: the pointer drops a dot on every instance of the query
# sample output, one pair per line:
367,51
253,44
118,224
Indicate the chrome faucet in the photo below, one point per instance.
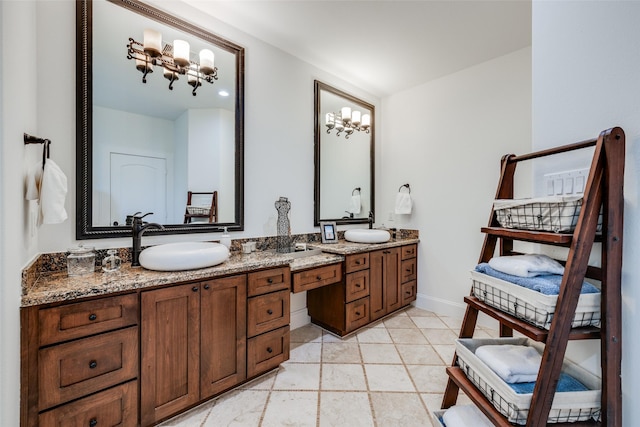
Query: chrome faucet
371,219
138,227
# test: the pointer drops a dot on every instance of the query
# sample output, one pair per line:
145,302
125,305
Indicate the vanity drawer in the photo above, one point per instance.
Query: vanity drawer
263,282
78,368
356,314
408,292
267,351
356,262
117,406
317,277
409,251
357,285
267,312
409,270
82,319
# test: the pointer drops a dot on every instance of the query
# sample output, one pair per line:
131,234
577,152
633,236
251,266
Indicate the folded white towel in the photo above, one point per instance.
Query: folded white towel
465,416
403,203
512,363
526,265
52,194
354,204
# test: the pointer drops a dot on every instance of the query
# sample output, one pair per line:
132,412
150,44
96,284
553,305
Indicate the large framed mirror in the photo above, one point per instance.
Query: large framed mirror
145,143
344,156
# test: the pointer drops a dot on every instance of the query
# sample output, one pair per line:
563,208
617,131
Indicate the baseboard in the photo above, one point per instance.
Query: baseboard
299,318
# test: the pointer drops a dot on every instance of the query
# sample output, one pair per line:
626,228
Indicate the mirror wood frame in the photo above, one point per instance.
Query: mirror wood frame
319,131
84,123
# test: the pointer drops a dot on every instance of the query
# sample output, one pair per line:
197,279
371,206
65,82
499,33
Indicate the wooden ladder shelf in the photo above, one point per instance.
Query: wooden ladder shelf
603,191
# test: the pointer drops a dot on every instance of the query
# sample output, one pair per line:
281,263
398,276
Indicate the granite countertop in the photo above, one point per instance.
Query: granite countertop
58,286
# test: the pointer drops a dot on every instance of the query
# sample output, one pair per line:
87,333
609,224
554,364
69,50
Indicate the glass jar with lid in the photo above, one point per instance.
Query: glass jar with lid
81,261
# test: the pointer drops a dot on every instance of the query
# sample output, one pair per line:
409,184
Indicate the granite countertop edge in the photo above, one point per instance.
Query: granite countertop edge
59,287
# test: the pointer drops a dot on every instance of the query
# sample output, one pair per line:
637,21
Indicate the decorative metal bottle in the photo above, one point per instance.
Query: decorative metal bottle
283,241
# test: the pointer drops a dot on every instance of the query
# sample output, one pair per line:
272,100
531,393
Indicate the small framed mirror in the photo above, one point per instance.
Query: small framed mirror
344,156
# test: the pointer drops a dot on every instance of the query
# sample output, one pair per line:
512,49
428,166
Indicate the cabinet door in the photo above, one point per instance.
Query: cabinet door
392,279
384,282
170,331
377,307
223,332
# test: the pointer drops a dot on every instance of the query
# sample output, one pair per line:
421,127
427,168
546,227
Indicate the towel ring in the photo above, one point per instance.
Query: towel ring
354,191
405,185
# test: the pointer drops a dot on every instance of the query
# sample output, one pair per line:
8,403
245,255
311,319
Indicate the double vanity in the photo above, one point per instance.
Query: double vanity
136,346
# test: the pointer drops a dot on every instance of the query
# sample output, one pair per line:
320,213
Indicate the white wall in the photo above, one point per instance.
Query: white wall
445,138
586,78
18,114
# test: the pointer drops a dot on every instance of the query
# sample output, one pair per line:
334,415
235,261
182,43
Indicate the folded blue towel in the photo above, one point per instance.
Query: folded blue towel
565,383
548,284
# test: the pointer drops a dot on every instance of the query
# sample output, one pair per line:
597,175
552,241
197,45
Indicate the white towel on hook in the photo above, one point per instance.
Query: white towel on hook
355,204
403,203
53,191
34,179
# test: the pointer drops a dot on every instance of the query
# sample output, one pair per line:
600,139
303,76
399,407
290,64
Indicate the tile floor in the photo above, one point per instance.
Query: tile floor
391,373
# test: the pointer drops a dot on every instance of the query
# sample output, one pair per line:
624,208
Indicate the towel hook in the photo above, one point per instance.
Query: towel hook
354,191
405,185
46,150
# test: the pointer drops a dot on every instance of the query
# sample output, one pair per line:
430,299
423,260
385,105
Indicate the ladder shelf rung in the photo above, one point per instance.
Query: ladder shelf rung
527,329
545,237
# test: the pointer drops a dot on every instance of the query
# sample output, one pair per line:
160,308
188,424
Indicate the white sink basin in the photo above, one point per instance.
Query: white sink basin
183,256
365,235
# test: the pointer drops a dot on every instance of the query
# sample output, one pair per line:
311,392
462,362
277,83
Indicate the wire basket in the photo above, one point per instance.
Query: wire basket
557,214
198,210
532,306
566,407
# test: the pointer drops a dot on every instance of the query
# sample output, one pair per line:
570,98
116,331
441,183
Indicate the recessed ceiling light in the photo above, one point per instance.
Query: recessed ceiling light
223,93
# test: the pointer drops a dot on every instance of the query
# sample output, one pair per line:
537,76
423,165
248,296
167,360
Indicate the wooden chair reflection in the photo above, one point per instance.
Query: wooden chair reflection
201,210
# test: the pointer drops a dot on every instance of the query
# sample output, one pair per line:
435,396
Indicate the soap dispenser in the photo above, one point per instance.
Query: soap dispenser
225,239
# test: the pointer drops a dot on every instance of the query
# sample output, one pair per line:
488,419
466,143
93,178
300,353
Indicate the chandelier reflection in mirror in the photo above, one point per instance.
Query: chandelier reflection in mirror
348,121
174,60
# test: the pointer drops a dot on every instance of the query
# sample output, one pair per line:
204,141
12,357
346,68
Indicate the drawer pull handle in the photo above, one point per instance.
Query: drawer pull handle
269,350
409,270
357,313
358,285
93,317
358,262
93,422
408,293
269,280
319,278
269,311
206,286
194,289
93,364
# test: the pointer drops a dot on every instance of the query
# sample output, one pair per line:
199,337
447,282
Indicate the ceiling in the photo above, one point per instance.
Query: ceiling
383,47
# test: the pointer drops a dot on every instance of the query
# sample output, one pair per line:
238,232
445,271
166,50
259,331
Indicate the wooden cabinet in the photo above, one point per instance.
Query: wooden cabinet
80,363
374,285
384,276
268,314
193,344
316,277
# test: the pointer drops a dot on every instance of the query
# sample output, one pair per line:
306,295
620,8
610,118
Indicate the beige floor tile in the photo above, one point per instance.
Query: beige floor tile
307,333
264,382
399,409
407,336
327,337
238,409
399,322
452,322
341,353
432,400
343,377
439,336
418,312
380,353
419,355
298,376
375,335
309,352
445,351
429,322
388,378
345,409
428,379
291,408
